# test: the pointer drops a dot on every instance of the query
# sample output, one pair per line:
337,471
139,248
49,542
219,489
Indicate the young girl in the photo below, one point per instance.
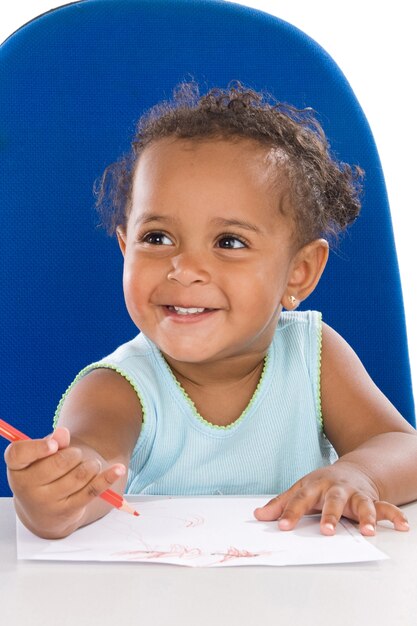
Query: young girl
223,212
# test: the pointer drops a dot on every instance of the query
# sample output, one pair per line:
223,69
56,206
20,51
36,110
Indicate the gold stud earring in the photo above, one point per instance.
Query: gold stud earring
292,300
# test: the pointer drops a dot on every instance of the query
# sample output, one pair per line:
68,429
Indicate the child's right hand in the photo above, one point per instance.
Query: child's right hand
53,482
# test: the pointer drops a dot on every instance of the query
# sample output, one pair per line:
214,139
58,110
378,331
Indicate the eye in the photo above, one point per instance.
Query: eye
157,239
231,242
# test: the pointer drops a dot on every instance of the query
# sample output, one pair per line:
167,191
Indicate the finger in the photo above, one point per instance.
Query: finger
101,482
332,510
387,511
300,504
76,479
272,510
21,454
56,466
363,509
50,469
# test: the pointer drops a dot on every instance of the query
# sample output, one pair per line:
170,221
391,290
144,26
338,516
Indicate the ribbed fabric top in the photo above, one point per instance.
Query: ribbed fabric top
277,439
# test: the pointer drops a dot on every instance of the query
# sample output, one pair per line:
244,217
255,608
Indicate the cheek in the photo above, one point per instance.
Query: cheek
256,294
270,277
134,287
132,300
128,279
266,289
141,277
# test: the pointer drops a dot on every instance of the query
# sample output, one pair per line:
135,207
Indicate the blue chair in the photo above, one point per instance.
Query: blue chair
72,84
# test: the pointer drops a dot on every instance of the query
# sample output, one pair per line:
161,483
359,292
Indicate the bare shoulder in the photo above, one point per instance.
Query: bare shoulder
354,408
103,410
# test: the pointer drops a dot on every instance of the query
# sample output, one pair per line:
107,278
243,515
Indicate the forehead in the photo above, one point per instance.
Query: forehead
223,166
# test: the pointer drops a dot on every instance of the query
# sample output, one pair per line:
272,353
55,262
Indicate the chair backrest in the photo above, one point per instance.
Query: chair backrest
72,84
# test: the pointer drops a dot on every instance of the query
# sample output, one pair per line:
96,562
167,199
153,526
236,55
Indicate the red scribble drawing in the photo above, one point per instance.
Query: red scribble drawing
176,550
197,520
235,553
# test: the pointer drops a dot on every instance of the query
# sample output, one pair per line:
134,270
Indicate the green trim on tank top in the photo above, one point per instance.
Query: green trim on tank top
199,417
318,389
86,370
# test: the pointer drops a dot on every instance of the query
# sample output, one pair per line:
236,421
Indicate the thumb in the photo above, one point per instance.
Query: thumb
62,436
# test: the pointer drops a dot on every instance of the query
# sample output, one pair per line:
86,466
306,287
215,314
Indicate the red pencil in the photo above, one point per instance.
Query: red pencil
12,434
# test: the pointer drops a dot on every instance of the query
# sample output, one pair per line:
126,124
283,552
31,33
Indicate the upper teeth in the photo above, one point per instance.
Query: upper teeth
187,311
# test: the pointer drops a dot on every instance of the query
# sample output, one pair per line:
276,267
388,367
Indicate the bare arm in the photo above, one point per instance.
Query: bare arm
363,426
377,468
56,481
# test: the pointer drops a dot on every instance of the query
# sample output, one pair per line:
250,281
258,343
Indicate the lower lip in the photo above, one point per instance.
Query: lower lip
188,318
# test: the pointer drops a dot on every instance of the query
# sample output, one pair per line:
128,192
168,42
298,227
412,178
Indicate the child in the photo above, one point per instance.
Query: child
223,212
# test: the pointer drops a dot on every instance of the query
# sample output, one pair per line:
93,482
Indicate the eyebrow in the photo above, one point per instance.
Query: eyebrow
221,222
145,218
224,223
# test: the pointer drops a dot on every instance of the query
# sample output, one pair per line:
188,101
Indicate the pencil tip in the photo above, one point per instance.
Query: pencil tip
135,513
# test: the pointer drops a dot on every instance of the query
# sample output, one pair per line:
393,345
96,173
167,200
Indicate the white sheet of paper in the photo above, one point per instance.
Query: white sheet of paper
200,531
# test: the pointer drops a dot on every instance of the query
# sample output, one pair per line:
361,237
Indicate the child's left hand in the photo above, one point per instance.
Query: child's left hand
337,490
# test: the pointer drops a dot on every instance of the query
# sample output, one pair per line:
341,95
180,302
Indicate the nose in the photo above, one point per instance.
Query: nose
188,269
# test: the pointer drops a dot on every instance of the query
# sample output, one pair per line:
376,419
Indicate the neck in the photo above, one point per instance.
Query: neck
224,373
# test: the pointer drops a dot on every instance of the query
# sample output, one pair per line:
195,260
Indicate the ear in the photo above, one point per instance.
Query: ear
121,238
307,268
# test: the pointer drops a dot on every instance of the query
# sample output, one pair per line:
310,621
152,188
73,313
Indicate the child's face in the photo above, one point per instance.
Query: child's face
208,253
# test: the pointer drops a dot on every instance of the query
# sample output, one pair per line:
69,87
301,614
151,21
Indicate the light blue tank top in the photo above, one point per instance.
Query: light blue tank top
278,438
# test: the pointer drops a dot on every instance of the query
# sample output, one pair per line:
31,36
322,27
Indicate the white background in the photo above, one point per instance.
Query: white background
375,46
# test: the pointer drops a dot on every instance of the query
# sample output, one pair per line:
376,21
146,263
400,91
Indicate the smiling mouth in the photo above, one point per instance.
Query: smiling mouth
191,310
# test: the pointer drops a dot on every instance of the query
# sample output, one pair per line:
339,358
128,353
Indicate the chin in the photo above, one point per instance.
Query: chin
186,356
193,352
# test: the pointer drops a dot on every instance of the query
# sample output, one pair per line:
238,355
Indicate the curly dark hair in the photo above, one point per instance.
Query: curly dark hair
324,193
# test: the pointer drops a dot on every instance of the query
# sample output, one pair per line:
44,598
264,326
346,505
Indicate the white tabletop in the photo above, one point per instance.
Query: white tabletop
131,594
